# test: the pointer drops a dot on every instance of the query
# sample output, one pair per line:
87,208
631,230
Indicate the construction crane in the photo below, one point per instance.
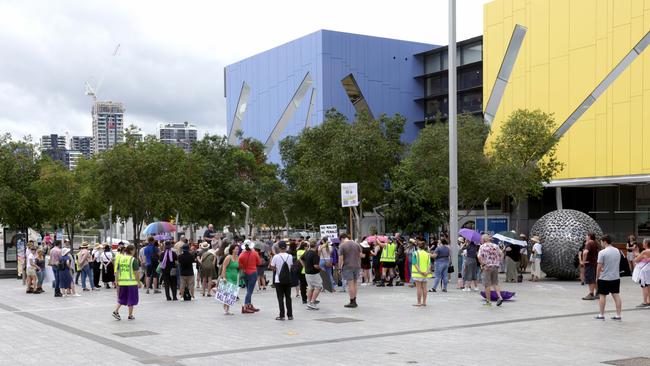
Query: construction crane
93,91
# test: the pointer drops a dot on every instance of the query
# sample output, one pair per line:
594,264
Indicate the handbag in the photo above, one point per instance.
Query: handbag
450,269
159,269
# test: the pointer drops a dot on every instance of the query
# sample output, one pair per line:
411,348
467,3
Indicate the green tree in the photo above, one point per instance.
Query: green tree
142,181
19,170
420,195
319,159
58,193
523,154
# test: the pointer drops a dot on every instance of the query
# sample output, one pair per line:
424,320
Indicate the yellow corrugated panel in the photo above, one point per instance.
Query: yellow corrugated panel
636,136
621,11
582,71
602,10
539,33
636,69
646,129
603,68
621,139
563,156
637,7
621,46
558,28
582,23
539,88
583,148
494,11
601,137
559,86
647,4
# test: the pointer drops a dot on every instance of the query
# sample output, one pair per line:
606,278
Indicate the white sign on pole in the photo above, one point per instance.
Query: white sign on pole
331,231
349,195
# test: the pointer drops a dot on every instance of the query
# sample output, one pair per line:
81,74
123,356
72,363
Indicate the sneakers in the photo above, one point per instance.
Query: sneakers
76,295
599,317
351,305
590,297
156,291
617,318
487,304
643,305
131,317
466,289
475,289
116,315
499,302
444,290
312,306
432,290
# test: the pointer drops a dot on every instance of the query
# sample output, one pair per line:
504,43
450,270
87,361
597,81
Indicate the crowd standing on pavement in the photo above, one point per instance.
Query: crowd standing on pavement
313,267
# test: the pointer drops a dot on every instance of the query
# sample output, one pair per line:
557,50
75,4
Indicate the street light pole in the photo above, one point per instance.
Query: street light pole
453,137
246,222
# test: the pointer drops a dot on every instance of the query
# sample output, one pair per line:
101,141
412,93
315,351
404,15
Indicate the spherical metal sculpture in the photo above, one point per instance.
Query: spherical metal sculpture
562,232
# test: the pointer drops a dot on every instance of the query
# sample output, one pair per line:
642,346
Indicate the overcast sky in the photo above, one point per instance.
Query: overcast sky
170,64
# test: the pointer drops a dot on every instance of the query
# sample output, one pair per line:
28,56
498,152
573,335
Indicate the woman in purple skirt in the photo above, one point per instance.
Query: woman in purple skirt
128,281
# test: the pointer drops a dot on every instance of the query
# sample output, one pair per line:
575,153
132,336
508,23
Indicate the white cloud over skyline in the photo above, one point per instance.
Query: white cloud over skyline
172,54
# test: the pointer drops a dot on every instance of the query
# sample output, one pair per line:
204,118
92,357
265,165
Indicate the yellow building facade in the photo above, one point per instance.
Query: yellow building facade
570,46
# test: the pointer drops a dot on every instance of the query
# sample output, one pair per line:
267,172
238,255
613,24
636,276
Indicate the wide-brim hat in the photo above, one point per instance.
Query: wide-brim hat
204,245
98,246
65,251
364,244
84,245
535,239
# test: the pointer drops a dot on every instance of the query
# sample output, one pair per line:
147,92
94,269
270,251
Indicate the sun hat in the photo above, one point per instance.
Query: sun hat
204,245
535,239
365,244
84,245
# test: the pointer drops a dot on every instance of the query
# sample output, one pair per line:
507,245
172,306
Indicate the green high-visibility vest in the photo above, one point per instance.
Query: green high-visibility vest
388,253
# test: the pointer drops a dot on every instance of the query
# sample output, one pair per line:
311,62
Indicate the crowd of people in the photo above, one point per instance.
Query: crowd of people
311,266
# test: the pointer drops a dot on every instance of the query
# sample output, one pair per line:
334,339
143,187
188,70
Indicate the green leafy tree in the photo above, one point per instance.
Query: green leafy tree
523,154
319,159
420,195
19,169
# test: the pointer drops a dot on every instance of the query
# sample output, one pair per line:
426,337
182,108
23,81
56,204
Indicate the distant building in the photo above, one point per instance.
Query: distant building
71,158
83,144
53,146
178,134
52,142
108,125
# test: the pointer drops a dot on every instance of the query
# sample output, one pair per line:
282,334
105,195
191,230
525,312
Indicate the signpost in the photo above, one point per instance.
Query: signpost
331,231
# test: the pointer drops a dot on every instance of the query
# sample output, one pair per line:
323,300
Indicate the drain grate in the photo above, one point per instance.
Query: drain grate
137,333
636,361
339,320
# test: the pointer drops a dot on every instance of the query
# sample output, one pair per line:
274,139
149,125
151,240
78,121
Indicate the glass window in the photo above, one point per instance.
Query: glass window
470,78
431,63
472,52
444,57
435,106
470,102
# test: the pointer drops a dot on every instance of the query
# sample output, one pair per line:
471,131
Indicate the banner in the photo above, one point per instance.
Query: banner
331,231
349,195
227,293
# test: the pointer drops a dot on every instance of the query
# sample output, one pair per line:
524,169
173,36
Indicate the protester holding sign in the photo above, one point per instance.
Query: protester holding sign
230,277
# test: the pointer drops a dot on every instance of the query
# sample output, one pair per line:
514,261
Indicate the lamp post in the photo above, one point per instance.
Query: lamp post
246,222
453,142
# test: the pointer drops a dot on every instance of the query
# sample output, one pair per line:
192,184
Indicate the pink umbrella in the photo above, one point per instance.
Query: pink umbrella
373,238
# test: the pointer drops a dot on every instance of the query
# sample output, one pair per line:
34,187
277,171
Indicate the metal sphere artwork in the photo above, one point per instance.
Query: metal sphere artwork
562,232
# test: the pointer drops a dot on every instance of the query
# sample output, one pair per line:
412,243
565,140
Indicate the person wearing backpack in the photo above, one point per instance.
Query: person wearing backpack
281,264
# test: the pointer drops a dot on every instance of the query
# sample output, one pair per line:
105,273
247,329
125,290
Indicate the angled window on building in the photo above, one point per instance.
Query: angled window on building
356,97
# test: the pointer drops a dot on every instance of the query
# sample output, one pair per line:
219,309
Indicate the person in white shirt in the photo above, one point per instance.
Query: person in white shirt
282,290
536,258
31,269
609,277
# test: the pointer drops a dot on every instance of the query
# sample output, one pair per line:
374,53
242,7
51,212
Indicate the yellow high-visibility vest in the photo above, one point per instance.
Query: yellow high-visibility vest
388,253
299,253
125,273
423,261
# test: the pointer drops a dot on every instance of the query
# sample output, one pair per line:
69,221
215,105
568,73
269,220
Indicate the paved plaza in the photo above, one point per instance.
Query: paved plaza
546,324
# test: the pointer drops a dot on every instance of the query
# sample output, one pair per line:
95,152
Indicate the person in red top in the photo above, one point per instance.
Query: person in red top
248,262
590,254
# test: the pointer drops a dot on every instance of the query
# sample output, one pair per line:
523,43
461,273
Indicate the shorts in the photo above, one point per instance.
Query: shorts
365,265
590,274
630,256
187,281
490,276
388,264
260,271
151,270
31,272
350,274
314,281
419,279
469,272
606,287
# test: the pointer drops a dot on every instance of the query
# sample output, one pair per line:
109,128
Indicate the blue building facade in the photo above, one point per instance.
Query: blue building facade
279,92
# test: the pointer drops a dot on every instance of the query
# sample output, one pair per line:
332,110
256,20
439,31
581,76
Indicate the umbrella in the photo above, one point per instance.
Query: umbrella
373,238
506,295
509,237
159,227
163,237
471,235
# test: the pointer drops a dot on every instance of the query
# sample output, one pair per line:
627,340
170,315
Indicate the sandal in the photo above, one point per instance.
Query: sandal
116,315
131,317
279,318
